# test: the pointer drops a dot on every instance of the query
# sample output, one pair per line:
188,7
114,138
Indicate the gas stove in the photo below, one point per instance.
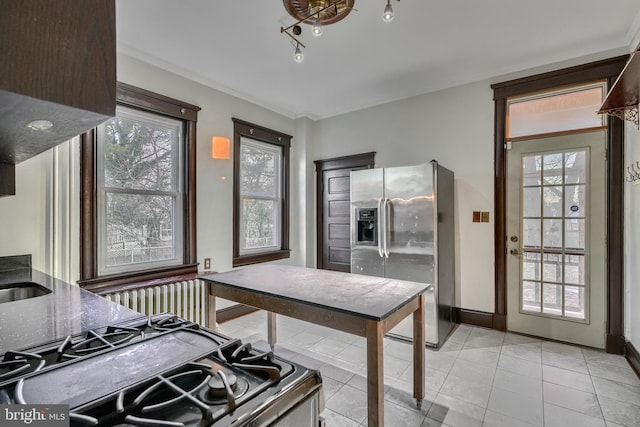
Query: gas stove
162,370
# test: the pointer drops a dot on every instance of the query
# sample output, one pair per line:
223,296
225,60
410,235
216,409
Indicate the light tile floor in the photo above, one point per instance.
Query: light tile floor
480,377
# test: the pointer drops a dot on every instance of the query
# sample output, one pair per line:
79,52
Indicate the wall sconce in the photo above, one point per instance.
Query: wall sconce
220,147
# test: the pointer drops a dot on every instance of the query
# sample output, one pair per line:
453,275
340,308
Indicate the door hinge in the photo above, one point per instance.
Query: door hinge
507,145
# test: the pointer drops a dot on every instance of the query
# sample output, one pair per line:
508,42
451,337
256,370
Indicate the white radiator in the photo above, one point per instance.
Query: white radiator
187,299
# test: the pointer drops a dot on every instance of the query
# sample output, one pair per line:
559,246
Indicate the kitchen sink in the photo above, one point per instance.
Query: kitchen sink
23,290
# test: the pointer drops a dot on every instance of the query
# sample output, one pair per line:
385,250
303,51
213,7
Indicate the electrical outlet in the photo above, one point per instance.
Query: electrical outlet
207,263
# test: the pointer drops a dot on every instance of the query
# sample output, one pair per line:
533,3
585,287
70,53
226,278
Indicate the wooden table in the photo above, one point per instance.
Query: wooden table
362,305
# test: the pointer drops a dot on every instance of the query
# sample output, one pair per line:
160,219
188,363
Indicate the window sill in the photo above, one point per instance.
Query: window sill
262,257
139,279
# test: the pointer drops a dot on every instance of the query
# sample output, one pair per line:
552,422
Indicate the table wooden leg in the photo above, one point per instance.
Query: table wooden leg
271,326
418,352
375,374
211,310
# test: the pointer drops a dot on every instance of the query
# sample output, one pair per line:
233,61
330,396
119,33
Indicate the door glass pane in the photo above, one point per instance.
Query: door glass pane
565,109
574,269
552,299
561,195
552,201
531,233
552,168
531,202
531,296
575,234
531,266
574,301
532,170
552,268
575,201
575,169
552,234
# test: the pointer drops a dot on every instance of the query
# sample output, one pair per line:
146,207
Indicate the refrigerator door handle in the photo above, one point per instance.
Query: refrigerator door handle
387,204
380,228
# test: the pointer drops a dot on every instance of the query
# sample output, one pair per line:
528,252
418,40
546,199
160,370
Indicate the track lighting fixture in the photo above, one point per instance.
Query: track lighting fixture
298,56
387,15
316,30
318,13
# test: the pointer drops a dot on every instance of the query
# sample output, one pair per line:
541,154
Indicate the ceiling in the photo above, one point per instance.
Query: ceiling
235,46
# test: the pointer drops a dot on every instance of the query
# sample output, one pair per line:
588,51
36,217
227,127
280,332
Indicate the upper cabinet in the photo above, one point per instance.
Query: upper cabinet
622,99
57,74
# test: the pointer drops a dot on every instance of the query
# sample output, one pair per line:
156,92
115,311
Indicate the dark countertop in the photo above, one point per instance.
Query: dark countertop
68,310
368,297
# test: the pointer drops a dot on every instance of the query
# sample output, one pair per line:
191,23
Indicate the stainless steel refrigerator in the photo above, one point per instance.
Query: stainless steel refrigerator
402,227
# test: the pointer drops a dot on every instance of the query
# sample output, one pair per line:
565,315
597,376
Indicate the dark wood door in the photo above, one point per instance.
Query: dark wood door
333,213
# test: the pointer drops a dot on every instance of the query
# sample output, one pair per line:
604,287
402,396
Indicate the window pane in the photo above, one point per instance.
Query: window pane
552,299
552,201
139,228
531,233
531,170
552,168
552,233
140,151
552,268
531,296
531,202
575,167
575,234
555,112
574,302
259,169
574,271
260,225
575,201
531,266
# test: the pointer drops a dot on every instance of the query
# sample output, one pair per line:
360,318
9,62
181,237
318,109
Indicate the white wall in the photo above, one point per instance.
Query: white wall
632,240
454,127
22,217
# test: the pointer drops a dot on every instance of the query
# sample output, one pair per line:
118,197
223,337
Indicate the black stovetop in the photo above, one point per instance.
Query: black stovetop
140,372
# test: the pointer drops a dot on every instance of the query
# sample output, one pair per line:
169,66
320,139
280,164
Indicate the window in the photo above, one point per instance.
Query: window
261,194
563,110
138,192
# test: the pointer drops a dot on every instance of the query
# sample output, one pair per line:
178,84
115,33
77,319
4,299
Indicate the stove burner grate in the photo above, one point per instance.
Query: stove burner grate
15,363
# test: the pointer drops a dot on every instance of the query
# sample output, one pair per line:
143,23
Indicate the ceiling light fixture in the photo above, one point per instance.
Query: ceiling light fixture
318,13
298,56
387,15
316,30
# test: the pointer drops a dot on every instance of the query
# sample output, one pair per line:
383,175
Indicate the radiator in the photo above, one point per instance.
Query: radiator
187,299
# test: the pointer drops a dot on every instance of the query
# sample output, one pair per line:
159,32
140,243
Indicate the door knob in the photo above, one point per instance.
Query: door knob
514,239
514,252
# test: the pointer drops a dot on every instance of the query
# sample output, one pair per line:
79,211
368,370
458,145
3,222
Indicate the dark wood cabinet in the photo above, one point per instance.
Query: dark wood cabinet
58,65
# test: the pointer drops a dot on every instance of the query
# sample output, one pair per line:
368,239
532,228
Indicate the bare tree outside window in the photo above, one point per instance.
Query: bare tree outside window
260,189
140,156
260,197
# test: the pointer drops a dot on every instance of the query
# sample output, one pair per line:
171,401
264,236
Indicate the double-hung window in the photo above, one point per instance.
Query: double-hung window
261,187
140,187
138,192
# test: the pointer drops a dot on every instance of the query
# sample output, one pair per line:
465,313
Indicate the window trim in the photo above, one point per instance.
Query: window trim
137,98
251,131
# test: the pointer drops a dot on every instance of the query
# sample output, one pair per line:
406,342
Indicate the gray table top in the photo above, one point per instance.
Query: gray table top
368,297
